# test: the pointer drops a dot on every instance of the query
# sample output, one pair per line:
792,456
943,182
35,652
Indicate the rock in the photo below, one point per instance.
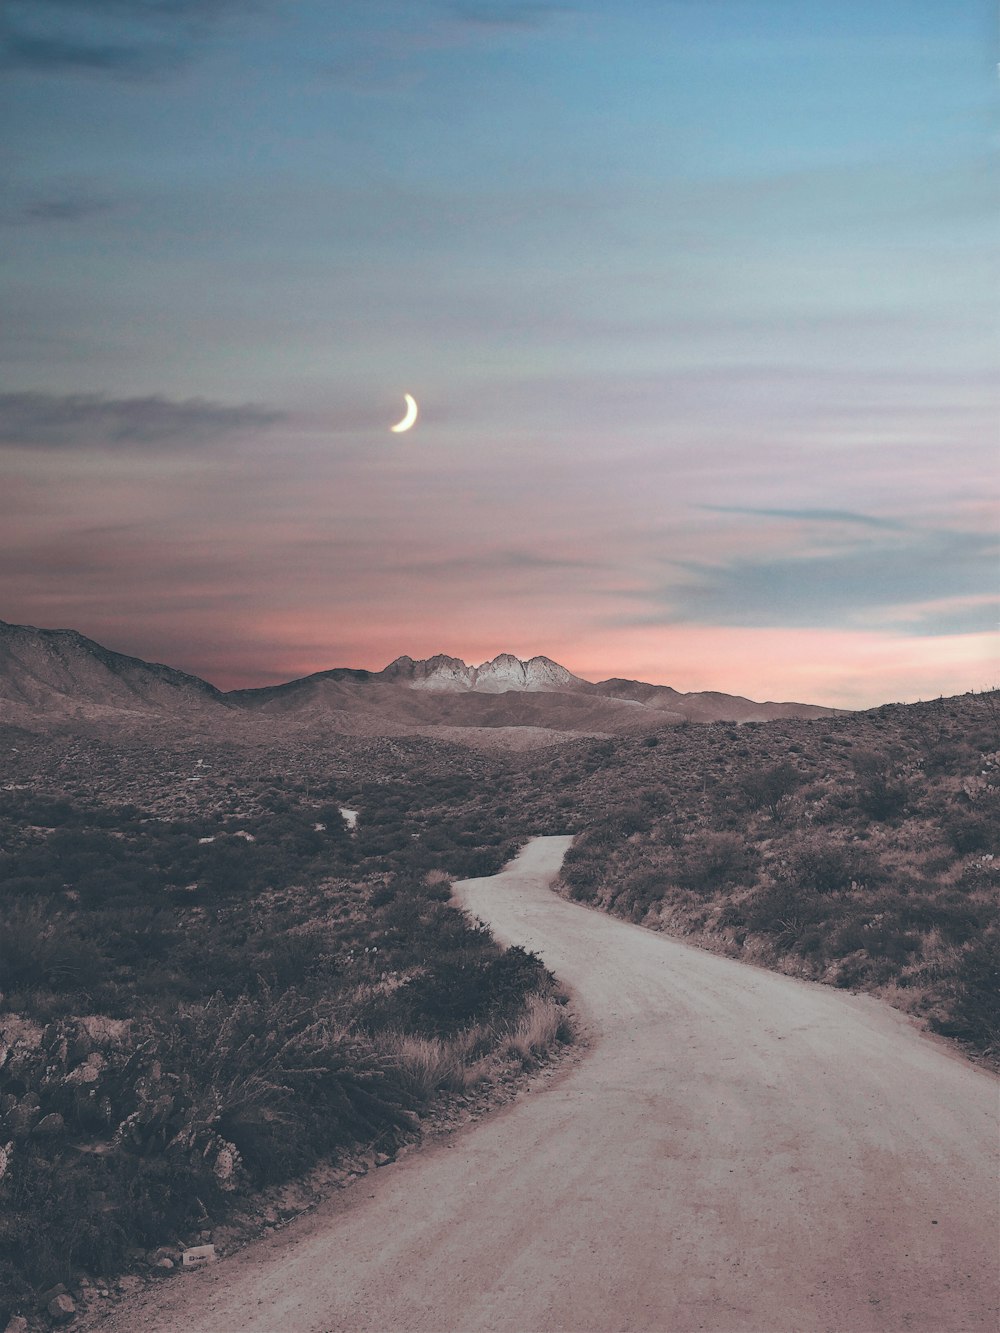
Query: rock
49,1126
21,1117
17,1324
382,1159
164,1263
226,1166
79,1043
54,1039
62,1308
88,1072
58,1290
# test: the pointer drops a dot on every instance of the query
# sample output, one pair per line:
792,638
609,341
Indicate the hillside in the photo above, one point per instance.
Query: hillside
60,674
59,677
146,866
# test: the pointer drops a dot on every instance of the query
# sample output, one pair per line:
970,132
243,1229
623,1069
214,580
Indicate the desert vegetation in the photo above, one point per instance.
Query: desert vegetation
859,851
195,1008
208,982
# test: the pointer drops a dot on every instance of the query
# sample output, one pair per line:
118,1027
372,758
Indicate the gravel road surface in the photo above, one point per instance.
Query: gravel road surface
735,1150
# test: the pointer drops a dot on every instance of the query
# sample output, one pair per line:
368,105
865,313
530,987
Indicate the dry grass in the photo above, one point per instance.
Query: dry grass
543,1023
426,1065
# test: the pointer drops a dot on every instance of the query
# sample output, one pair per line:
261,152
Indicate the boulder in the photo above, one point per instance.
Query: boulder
49,1126
88,1072
62,1308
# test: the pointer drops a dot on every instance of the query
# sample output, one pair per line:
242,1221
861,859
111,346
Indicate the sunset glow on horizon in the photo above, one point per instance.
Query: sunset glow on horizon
695,300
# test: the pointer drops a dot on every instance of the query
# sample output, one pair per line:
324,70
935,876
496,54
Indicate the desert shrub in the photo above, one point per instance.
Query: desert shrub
784,910
582,879
973,828
52,954
975,994
423,1066
768,788
951,914
880,792
641,889
633,818
822,866
716,861
458,994
543,1022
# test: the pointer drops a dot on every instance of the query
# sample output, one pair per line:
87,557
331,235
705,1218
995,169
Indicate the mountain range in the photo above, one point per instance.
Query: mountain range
57,677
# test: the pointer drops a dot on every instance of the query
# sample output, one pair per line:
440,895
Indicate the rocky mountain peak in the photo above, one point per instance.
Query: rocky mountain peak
505,672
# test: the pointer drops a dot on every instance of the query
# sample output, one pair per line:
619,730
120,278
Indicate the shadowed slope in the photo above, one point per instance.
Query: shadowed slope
59,675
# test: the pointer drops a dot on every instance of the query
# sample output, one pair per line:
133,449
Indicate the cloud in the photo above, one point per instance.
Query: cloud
507,15
68,207
872,582
502,562
973,614
126,39
26,51
807,515
72,421
387,53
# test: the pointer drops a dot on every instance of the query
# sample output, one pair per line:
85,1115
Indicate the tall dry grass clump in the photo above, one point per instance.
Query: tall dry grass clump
543,1024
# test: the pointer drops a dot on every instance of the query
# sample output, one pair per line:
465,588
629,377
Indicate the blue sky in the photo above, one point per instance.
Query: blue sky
698,300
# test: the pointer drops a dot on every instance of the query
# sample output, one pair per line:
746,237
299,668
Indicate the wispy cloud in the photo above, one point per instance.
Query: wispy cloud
976,614
54,208
844,587
125,39
72,421
502,562
807,515
508,15
385,54
54,54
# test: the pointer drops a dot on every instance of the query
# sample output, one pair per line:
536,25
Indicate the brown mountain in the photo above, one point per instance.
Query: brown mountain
57,676
60,674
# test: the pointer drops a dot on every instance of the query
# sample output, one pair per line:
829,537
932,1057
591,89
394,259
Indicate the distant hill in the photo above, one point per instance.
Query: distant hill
61,674
58,676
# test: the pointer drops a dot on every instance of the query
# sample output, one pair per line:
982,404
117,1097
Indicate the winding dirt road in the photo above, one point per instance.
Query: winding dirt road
736,1150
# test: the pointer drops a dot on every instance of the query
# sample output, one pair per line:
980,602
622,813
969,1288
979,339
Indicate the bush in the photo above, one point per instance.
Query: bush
716,861
459,994
824,866
973,829
975,1010
881,794
768,788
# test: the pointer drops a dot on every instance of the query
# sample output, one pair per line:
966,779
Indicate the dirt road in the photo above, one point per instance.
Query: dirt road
736,1151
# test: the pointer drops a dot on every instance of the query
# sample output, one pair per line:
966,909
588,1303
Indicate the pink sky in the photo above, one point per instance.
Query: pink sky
695,301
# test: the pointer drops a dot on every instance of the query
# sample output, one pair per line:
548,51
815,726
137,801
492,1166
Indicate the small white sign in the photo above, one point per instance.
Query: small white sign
198,1255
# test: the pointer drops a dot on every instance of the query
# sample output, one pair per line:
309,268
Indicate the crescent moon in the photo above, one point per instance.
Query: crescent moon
411,415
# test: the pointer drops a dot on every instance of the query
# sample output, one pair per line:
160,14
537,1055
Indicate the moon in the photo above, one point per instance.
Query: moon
411,415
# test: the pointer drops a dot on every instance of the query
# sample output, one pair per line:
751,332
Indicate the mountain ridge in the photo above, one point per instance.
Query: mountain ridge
63,675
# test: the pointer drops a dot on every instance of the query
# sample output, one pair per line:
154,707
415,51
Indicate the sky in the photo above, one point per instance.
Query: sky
697,298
